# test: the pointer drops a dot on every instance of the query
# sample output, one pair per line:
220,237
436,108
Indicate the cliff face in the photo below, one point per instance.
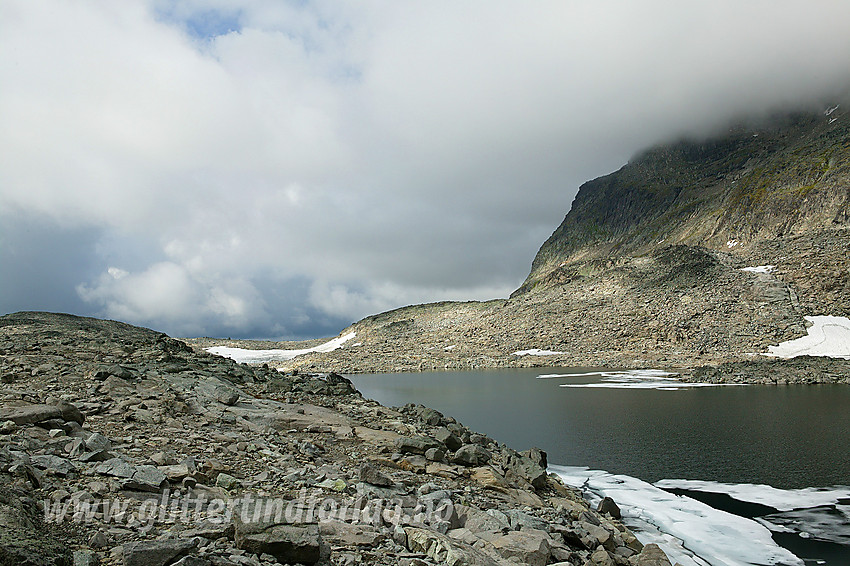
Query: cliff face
784,178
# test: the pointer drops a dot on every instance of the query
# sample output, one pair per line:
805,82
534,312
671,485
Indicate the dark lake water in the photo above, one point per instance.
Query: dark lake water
786,436
725,449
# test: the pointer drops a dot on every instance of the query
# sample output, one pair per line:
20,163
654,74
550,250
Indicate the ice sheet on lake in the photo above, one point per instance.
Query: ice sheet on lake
830,523
554,375
828,336
779,499
634,379
813,512
537,352
690,532
245,356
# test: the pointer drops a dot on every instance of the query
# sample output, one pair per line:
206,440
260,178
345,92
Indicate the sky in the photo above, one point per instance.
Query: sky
280,169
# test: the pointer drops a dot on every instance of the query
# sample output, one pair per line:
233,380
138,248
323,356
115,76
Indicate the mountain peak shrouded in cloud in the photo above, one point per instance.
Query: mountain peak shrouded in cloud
259,168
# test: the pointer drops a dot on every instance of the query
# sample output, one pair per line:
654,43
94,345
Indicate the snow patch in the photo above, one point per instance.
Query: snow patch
245,356
690,532
831,110
760,269
829,336
731,243
537,352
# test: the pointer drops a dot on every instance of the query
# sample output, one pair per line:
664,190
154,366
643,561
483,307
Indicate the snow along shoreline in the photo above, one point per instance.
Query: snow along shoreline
828,336
246,356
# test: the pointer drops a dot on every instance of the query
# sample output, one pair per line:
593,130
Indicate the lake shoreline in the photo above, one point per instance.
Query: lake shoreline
632,435
350,359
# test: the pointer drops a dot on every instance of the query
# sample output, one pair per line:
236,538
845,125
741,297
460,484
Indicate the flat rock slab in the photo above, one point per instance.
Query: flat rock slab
415,444
349,534
115,467
146,478
287,543
156,552
471,455
22,414
526,547
59,465
140,478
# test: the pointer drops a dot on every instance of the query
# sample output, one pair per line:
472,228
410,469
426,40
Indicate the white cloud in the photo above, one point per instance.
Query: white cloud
168,294
380,152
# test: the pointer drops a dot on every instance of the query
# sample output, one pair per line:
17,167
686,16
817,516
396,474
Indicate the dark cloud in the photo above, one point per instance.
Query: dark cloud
40,263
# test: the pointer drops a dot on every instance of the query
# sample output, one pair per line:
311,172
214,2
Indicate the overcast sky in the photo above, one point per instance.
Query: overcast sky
262,168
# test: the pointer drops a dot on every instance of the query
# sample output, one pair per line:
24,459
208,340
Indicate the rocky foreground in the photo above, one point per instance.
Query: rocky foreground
120,445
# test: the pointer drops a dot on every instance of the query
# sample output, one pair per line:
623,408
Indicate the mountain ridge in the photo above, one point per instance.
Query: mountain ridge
780,178
647,267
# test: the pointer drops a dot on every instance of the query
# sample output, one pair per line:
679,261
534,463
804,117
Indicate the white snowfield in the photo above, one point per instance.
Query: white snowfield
829,336
244,356
760,269
689,531
537,352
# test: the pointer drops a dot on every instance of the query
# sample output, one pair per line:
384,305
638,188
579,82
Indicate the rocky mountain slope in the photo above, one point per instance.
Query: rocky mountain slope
120,445
648,268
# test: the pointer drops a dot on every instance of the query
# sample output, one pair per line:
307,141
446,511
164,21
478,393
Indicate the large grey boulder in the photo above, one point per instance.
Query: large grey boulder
60,466
607,505
652,555
370,474
288,543
349,534
600,557
70,413
537,456
22,414
444,550
448,438
146,478
156,552
226,395
415,444
530,547
115,467
471,455
96,442
477,520
139,478
525,468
